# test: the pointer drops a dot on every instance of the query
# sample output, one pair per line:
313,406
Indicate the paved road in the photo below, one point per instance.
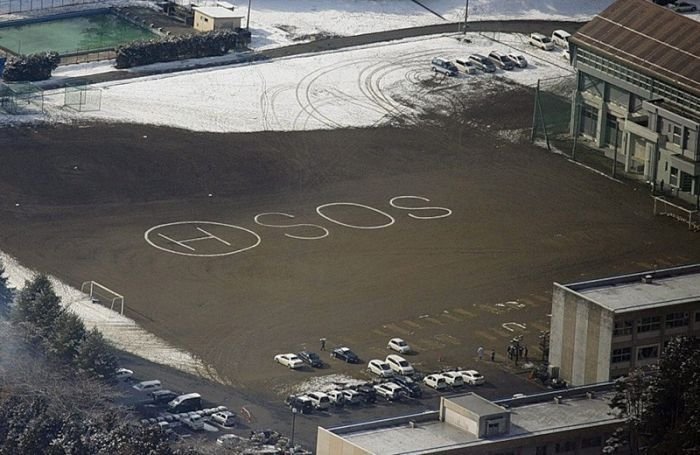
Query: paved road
510,26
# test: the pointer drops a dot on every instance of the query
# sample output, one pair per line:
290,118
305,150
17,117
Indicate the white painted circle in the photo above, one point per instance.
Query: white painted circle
146,235
318,210
393,203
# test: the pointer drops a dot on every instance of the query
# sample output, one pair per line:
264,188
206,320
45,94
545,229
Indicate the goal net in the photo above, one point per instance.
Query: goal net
103,295
83,98
682,214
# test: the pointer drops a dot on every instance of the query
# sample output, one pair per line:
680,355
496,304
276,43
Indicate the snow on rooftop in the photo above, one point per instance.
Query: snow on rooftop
216,12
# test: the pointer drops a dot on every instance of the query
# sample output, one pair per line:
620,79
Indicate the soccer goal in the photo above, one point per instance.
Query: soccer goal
99,293
82,97
687,216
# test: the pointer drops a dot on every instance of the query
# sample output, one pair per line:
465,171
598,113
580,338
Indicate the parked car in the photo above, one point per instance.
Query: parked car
123,374
230,440
389,391
560,38
147,386
472,377
194,422
291,361
352,396
225,418
320,400
453,378
541,41
301,403
337,397
398,345
482,63
311,358
369,395
163,396
465,66
566,55
682,7
380,368
443,66
186,403
399,365
345,354
410,387
501,61
435,381
518,60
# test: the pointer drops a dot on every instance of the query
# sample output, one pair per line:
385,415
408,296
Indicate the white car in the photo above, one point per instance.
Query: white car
472,377
225,418
566,55
435,381
398,345
337,397
518,60
380,368
465,66
320,400
399,365
454,378
541,41
352,396
123,373
560,38
195,422
289,360
389,390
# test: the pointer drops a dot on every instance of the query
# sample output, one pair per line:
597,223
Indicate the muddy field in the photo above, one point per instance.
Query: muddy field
183,225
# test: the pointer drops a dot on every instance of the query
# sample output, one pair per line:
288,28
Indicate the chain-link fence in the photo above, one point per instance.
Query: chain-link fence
552,117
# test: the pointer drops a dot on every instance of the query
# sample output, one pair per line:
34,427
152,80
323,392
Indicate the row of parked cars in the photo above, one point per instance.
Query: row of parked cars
478,62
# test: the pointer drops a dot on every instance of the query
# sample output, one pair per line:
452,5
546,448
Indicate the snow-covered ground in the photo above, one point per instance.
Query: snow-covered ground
356,87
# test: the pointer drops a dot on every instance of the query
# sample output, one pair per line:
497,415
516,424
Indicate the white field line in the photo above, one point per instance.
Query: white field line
122,332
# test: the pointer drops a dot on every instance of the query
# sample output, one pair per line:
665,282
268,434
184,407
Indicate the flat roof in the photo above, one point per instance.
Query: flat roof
477,404
630,293
536,418
216,12
650,38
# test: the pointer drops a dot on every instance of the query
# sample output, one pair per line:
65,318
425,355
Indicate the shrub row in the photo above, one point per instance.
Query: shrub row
177,48
33,67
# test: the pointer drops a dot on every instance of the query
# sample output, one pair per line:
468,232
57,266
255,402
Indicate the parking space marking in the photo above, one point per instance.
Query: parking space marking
396,329
434,321
464,312
413,324
448,339
451,317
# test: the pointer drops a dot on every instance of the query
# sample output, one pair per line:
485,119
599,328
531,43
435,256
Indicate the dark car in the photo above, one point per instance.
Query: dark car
301,403
502,61
483,63
345,354
411,387
368,393
682,7
163,396
311,358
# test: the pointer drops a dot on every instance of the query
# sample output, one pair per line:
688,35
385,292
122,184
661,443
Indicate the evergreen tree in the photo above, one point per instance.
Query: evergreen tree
5,293
66,337
38,304
95,356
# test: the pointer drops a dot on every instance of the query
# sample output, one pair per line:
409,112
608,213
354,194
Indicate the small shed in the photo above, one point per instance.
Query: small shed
208,18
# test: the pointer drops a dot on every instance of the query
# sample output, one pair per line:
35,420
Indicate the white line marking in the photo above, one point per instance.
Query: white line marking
148,233
318,210
418,217
176,242
212,236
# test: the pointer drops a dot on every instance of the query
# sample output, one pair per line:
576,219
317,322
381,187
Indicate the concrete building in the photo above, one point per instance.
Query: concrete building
601,329
575,421
638,92
208,18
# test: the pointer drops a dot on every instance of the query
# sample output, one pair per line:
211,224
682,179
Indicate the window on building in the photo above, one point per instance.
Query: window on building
622,328
675,133
563,447
648,352
673,179
541,450
589,121
592,85
677,320
686,182
621,355
650,323
617,96
587,443
686,138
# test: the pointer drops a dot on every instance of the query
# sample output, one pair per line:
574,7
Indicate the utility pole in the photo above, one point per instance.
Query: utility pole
466,15
247,21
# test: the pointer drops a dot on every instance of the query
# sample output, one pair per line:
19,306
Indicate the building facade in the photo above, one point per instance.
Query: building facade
602,329
208,18
638,93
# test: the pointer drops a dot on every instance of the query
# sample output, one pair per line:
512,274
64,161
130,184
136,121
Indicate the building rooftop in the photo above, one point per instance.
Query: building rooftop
477,404
650,38
544,416
631,293
216,12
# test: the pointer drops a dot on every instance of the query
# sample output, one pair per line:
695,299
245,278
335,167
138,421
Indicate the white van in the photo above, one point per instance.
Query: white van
186,403
541,41
560,38
148,386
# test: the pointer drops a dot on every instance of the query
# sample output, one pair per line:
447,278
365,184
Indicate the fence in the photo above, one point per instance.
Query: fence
552,115
24,6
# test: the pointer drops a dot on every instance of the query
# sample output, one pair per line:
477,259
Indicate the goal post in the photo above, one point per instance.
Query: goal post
665,207
99,292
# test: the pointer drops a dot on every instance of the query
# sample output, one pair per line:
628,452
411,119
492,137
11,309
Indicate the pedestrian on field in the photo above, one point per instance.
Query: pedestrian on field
493,355
525,352
323,344
480,352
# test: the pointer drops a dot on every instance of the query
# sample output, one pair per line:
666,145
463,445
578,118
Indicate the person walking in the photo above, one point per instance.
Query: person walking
323,344
480,352
493,355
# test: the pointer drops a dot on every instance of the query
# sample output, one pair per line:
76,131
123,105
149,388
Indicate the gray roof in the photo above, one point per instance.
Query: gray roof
477,404
650,38
630,293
